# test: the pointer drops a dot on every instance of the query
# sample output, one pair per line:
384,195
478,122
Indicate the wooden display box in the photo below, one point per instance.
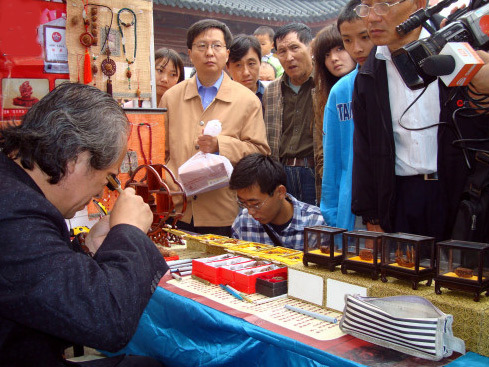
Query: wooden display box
271,286
409,257
462,266
322,246
361,252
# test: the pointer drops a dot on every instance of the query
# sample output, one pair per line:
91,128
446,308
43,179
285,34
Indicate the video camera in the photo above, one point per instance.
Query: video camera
418,62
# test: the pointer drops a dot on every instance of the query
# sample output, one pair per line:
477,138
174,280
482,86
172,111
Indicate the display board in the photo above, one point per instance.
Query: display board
121,26
33,54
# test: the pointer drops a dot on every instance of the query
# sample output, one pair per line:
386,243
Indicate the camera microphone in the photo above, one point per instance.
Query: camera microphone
438,65
456,64
420,16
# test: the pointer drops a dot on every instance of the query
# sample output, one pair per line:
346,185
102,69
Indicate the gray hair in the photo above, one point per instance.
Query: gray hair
71,119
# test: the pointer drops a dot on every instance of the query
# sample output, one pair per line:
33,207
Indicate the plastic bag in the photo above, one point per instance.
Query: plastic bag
206,171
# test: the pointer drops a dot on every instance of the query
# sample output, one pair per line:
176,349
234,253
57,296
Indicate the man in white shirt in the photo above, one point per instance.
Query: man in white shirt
407,174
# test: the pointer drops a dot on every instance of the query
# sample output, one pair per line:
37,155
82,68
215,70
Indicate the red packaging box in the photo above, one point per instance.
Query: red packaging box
245,280
210,268
228,271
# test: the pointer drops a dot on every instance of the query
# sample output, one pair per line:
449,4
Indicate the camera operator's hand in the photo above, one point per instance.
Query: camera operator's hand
444,21
480,82
131,209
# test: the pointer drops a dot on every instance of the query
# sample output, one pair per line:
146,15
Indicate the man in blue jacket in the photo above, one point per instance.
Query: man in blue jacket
53,293
338,125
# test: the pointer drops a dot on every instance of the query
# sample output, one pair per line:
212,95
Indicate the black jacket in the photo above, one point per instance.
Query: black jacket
373,188
52,295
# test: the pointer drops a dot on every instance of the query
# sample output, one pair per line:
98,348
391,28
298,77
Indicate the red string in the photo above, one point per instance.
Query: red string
150,143
78,67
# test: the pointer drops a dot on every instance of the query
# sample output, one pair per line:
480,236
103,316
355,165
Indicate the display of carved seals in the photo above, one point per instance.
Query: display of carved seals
325,250
464,272
366,254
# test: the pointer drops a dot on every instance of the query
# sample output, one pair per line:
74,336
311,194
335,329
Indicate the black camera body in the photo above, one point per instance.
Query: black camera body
410,58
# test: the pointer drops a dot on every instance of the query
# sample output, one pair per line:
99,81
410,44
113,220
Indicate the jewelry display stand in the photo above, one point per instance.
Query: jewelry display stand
120,53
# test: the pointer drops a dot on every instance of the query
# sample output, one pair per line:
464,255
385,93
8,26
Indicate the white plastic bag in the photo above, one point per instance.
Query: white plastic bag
206,171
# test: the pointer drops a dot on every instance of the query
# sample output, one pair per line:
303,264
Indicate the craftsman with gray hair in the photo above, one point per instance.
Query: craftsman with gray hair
53,293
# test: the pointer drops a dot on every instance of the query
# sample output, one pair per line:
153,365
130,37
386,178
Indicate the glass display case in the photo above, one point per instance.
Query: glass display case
322,245
462,266
408,256
361,252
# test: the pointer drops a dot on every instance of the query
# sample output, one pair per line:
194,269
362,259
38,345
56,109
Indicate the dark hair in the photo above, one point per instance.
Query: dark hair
71,119
304,33
205,24
348,14
241,45
259,169
326,39
174,57
264,30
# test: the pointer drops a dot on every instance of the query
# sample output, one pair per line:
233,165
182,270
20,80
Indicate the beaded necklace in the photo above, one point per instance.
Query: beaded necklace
127,25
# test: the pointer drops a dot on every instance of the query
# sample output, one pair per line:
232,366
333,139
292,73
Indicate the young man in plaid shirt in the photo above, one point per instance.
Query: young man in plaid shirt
269,214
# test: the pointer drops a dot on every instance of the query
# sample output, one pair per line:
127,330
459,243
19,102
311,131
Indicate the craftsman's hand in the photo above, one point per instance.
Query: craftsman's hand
208,144
97,234
131,209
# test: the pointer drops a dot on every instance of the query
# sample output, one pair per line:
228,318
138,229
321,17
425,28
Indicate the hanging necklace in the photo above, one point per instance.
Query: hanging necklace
127,25
150,142
108,65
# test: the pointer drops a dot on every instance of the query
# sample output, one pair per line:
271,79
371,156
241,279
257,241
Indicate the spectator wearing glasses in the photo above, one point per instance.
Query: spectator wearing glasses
408,175
211,95
269,214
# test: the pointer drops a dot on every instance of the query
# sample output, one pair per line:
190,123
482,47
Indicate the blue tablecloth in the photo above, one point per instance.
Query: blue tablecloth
182,332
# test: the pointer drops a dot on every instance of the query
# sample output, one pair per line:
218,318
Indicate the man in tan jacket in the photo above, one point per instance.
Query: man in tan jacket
211,95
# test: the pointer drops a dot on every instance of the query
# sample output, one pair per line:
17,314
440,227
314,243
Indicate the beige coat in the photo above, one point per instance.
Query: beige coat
243,133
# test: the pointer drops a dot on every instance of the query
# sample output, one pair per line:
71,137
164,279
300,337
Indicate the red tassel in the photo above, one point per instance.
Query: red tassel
109,86
87,68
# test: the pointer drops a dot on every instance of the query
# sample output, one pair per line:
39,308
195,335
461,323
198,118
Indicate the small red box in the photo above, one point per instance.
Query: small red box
210,268
228,271
245,280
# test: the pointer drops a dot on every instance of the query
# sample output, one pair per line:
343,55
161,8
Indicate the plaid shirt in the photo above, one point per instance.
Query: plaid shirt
246,228
273,105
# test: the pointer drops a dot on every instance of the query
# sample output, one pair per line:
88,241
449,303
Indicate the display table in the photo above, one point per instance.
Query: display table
470,319
185,329
181,327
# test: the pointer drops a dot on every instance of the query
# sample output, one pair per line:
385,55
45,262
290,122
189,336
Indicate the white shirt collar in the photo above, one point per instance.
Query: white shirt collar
383,52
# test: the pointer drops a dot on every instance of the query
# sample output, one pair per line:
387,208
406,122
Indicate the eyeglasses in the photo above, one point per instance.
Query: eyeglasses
202,47
254,207
363,10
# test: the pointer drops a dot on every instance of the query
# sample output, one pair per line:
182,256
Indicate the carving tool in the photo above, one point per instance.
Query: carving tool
101,208
232,293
